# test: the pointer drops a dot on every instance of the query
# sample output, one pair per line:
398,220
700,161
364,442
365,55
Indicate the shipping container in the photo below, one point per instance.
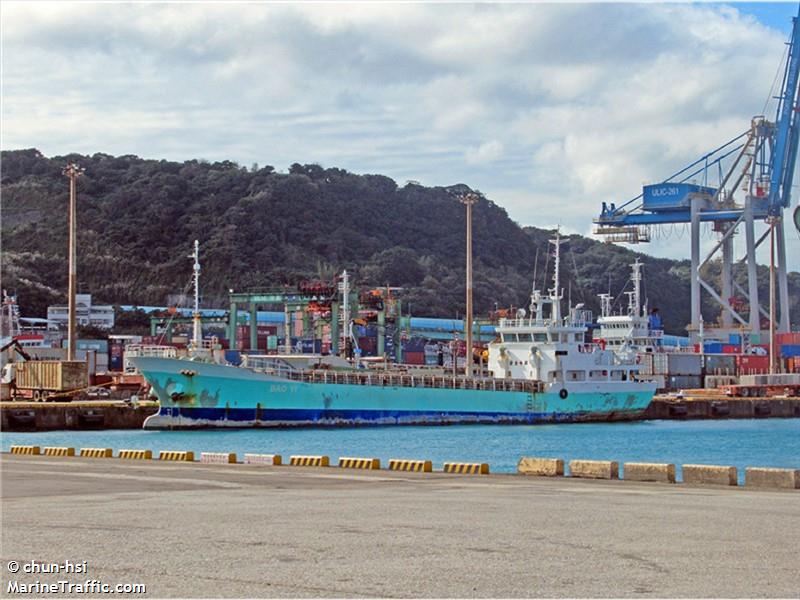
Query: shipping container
684,382
713,347
751,364
83,344
47,353
790,350
311,346
683,364
414,344
645,360
414,358
51,375
115,357
731,349
735,338
792,339
719,364
660,364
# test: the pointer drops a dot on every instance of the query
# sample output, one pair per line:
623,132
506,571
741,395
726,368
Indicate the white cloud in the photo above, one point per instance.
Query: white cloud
549,109
486,152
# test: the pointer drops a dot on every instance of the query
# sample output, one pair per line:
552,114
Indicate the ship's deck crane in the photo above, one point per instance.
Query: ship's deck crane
760,162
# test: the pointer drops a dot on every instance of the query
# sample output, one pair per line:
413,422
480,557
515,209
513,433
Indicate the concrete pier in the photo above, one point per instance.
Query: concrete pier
49,416
199,530
721,407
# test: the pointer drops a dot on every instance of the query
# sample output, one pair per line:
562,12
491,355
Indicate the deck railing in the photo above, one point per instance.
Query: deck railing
414,381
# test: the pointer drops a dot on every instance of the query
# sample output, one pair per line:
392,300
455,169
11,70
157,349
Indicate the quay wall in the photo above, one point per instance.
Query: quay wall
52,416
670,407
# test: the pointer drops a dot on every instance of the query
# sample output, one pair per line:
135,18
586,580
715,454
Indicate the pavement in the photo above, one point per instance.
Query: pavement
192,530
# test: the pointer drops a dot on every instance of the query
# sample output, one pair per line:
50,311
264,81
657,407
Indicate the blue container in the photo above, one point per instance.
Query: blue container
735,338
712,347
115,362
82,344
790,350
311,346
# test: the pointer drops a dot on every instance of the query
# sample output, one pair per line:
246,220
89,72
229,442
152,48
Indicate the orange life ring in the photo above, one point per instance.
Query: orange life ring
602,343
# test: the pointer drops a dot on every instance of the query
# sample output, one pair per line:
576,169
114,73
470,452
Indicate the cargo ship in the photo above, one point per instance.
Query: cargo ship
540,370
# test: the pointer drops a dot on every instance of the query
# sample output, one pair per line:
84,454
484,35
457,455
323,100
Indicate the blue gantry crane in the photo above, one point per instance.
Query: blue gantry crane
760,163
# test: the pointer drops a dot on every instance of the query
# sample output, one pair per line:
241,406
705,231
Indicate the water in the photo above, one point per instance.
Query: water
742,443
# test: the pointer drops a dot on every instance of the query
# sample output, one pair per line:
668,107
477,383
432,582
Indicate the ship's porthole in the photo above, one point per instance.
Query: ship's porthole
563,394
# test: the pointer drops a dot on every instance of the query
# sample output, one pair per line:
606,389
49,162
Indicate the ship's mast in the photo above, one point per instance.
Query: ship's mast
605,305
197,325
344,287
555,296
635,297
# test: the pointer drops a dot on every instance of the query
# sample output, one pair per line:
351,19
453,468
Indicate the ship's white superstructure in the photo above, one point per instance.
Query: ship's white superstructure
542,346
630,331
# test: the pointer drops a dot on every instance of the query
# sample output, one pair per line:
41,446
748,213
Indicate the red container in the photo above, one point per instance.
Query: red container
790,339
731,349
750,364
414,358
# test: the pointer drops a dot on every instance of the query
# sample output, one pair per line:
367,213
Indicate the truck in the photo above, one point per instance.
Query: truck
41,379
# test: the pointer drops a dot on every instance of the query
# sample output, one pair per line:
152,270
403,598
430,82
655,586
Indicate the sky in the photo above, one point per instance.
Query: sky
548,109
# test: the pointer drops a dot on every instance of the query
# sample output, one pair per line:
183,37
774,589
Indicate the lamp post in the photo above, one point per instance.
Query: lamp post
72,171
469,200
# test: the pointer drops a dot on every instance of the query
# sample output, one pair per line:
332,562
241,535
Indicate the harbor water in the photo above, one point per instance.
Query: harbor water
741,443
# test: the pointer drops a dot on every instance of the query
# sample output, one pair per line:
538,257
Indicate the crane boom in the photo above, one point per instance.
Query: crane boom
784,154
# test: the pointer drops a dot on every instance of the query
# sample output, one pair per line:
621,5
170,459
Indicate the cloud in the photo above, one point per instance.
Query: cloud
549,109
486,152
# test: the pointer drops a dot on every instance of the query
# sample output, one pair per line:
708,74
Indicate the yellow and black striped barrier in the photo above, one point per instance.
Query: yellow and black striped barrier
466,468
129,454
348,462
58,451
398,464
176,455
25,450
97,452
309,461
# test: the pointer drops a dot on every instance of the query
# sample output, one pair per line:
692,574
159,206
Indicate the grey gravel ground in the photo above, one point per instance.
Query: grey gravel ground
194,530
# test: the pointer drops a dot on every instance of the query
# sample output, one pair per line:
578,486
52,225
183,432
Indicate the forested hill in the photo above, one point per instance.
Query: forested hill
258,227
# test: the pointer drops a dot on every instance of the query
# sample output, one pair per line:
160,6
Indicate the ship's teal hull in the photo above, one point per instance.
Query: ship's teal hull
194,394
